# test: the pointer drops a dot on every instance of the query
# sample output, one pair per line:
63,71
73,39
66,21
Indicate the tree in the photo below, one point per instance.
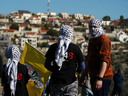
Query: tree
33,14
126,72
14,26
38,45
53,33
123,23
27,28
46,26
121,17
15,35
106,18
56,26
44,44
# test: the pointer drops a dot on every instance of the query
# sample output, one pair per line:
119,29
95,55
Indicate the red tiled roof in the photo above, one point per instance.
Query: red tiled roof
40,34
23,24
85,21
9,30
66,19
43,30
51,19
52,41
30,33
14,15
114,23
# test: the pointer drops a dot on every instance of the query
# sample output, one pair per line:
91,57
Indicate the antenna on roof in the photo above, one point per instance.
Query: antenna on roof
48,7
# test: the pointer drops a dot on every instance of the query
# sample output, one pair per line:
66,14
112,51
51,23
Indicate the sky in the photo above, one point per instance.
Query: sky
97,8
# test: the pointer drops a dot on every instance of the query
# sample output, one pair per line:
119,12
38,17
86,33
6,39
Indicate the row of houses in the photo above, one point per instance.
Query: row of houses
36,35
39,37
23,16
33,37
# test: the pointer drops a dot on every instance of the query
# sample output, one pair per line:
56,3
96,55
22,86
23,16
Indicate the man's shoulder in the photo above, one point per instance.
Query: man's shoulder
73,45
105,38
21,65
55,44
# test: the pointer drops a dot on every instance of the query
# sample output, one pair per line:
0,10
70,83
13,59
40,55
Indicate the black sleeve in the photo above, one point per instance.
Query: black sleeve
1,66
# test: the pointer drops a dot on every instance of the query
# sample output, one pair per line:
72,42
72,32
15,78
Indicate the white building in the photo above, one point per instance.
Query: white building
17,18
32,41
20,33
2,26
5,41
42,15
78,16
35,20
25,14
63,15
52,13
8,32
30,34
106,23
4,19
88,17
22,27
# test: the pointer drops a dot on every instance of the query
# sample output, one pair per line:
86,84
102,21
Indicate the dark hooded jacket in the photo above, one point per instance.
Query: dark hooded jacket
118,79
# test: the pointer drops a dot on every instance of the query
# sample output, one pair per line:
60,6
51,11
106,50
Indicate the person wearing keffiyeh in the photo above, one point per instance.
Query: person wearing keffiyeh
15,74
98,60
65,38
65,56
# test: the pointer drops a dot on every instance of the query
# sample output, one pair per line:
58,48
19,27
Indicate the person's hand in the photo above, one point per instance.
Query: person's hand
98,84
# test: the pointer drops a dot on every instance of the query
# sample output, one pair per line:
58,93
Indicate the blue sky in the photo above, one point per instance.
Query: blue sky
97,8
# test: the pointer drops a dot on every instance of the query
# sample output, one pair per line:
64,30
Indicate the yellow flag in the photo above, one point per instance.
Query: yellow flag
34,60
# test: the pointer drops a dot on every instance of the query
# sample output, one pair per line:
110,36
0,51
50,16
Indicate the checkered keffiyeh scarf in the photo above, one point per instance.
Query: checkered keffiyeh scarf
65,38
95,32
12,54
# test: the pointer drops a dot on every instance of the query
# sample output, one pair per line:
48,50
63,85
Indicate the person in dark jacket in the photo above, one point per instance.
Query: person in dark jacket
118,83
15,76
1,66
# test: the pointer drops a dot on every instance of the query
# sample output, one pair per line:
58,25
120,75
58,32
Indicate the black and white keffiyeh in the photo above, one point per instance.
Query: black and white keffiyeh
12,54
65,38
95,32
